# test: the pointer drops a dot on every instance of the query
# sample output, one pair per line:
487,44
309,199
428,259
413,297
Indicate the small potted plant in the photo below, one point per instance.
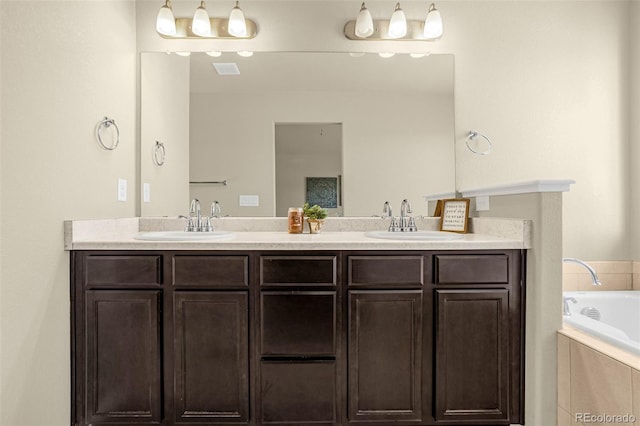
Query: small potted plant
315,217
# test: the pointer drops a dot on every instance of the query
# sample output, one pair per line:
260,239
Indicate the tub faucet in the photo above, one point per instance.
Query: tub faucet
592,272
565,305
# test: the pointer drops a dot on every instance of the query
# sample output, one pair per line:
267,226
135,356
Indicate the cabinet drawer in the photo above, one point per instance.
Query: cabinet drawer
108,270
386,270
298,270
298,392
472,269
210,271
298,324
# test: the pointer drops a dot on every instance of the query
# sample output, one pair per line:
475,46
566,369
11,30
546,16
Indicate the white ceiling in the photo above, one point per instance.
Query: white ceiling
319,71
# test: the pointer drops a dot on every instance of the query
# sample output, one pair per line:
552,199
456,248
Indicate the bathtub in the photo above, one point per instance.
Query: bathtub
619,313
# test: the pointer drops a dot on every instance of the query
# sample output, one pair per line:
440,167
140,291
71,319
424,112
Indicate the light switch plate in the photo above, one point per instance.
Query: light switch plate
122,190
249,200
146,192
482,204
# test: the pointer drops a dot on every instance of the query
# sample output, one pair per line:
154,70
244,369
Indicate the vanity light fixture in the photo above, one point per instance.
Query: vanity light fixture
166,22
364,23
433,23
237,23
202,26
397,23
397,28
245,53
181,53
386,54
214,53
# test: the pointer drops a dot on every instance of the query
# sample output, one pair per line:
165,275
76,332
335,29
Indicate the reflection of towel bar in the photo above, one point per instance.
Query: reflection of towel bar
211,182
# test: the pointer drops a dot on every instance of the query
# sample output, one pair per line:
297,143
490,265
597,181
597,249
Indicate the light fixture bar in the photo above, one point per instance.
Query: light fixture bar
415,31
219,30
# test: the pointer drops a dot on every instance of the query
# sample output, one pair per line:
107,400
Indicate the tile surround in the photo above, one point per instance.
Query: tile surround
614,275
594,381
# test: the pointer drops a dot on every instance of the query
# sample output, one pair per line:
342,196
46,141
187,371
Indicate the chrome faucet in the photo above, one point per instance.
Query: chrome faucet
592,272
407,223
404,223
195,209
565,305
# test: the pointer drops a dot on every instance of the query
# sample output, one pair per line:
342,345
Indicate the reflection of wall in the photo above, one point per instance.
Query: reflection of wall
65,65
164,117
232,137
305,150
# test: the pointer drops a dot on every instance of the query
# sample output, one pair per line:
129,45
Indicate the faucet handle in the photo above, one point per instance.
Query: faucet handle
206,226
189,226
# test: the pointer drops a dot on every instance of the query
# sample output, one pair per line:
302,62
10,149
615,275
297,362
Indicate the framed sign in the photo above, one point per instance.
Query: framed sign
455,215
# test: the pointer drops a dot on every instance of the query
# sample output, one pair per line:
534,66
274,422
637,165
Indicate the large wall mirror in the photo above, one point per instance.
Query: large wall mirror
219,118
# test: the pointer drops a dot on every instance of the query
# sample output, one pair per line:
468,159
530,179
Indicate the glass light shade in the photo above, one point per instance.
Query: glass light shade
214,53
364,23
398,23
201,26
182,53
166,22
386,55
237,24
433,27
245,53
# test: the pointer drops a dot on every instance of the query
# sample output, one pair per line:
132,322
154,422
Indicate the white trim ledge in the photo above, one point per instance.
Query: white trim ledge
559,185
441,196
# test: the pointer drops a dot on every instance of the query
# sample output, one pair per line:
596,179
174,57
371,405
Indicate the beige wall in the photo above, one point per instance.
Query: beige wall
65,65
232,138
164,117
546,81
634,120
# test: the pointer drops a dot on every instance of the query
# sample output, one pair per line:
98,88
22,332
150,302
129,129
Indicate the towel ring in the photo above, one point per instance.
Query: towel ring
474,135
105,124
159,153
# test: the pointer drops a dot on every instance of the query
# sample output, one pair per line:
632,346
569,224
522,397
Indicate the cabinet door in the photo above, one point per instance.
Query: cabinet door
123,375
385,355
472,355
298,392
211,357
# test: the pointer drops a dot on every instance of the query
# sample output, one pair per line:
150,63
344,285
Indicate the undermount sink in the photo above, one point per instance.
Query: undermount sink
414,236
181,236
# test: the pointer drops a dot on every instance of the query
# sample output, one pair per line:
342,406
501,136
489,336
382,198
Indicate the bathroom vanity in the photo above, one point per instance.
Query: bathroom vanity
297,336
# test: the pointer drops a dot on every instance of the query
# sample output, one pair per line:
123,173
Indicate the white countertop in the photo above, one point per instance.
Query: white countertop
118,234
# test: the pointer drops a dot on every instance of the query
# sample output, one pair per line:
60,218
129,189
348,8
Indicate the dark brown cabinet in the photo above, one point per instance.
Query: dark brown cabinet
123,357
211,356
472,330
385,355
297,337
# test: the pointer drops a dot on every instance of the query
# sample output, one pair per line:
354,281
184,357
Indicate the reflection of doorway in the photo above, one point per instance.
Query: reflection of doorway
308,150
